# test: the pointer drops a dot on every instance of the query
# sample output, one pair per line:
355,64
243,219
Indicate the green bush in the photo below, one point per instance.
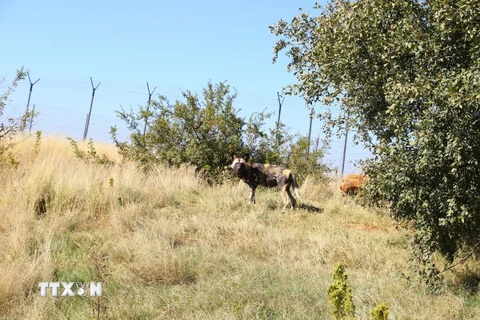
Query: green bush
340,294
204,131
380,312
199,130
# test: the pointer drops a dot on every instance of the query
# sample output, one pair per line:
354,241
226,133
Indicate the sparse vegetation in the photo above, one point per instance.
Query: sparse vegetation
10,126
167,247
91,155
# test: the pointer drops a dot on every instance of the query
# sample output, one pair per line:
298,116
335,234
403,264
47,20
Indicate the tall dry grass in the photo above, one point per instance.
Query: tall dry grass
166,246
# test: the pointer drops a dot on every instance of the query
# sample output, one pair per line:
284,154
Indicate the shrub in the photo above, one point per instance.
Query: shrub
340,294
380,312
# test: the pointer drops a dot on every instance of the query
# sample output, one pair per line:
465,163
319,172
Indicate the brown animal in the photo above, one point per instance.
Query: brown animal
352,182
259,174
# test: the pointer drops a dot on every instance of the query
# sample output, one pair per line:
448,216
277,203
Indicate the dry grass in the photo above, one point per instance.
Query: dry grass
167,247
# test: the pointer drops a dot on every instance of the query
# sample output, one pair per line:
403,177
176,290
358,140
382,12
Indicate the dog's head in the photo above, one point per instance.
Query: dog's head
240,165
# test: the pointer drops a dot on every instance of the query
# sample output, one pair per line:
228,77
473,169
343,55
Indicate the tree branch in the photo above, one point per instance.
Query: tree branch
461,260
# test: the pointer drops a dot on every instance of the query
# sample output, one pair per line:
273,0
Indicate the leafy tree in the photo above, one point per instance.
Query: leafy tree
405,74
202,131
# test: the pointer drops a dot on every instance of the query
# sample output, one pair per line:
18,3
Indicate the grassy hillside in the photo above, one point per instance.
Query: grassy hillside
167,247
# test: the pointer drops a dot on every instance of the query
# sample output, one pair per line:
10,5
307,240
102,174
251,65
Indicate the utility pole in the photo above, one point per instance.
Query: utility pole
148,108
31,119
312,112
86,124
345,145
90,113
280,103
24,123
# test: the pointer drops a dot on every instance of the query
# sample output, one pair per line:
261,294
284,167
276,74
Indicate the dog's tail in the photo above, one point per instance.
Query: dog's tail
295,186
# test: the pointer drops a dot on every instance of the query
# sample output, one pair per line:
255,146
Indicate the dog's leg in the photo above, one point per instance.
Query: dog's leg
252,195
293,202
283,190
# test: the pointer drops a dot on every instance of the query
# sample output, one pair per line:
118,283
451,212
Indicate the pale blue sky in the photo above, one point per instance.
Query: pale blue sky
172,45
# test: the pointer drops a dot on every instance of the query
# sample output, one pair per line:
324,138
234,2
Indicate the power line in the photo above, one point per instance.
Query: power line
163,22
78,82
247,101
247,95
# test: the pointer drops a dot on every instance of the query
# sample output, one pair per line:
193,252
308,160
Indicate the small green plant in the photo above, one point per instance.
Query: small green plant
340,294
380,312
91,155
12,161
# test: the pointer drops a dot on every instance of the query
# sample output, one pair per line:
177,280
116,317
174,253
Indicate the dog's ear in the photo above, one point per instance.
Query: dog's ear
233,155
246,156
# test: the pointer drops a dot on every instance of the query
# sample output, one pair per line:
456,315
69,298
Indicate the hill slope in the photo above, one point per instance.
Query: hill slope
166,246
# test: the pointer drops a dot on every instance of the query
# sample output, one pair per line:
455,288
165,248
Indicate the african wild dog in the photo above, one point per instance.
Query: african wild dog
258,174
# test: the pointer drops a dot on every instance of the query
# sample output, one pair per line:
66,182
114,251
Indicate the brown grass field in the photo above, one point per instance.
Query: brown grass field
165,246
